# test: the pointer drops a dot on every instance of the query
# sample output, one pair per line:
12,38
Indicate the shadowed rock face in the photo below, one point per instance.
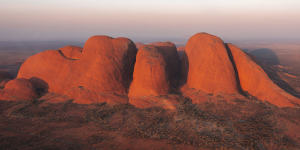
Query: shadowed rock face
256,82
171,56
209,67
71,52
156,74
105,67
18,89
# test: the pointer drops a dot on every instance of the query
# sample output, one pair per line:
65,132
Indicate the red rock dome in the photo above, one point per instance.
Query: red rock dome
256,82
105,66
150,76
18,89
209,67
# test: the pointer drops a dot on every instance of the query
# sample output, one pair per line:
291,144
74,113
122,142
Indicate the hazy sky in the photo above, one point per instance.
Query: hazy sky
150,19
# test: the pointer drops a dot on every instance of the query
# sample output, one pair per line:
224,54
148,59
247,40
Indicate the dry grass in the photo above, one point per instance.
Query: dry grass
245,124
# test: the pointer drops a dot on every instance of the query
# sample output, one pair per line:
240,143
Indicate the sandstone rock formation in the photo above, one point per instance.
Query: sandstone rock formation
155,74
209,66
113,71
105,66
18,89
150,76
256,82
72,52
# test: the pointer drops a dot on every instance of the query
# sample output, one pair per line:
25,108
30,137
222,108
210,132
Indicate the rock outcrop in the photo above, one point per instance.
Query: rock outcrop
113,71
18,89
256,82
105,66
209,66
71,52
150,77
155,75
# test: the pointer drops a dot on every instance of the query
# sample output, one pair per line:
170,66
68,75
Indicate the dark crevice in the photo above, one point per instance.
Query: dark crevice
235,70
63,55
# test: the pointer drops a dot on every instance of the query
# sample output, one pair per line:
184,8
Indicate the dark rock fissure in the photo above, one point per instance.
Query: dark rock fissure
63,55
235,70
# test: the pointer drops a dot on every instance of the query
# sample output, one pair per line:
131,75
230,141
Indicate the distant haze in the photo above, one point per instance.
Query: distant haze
174,20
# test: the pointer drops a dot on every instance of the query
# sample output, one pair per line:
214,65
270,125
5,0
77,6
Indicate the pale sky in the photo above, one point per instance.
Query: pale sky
149,20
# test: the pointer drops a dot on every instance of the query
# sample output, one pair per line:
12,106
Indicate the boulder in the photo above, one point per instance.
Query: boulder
209,66
256,82
18,89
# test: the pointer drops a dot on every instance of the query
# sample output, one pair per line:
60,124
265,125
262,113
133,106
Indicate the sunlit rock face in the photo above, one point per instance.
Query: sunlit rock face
71,52
153,76
209,66
256,82
150,77
104,67
112,70
17,90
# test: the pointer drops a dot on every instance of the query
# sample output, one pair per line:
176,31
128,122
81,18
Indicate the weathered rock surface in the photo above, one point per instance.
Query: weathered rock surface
150,77
105,66
72,52
256,82
113,71
209,67
18,89
156,74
